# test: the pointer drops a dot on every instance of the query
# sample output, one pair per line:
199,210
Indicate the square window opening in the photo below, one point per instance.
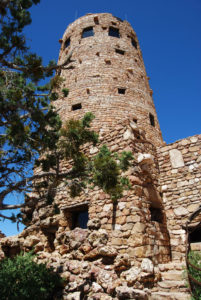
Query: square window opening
152,120
76,106
87,32
114,32
67,43
122,91
108,62
80,218
122,52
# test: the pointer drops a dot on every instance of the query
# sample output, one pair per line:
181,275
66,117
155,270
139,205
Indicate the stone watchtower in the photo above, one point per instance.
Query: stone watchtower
107,76
106,250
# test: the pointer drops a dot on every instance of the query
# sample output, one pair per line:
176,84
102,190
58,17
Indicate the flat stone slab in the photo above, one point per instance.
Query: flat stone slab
169,296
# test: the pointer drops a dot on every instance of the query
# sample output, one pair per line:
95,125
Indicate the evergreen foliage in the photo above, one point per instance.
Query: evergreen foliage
22,278
28,122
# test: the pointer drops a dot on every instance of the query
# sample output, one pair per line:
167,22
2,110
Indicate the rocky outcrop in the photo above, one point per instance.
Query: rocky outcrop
89,264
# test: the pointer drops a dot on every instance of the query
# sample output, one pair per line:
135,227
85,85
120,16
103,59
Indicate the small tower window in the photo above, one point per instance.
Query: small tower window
134,43
114,32
67,43
122,52
108,62
87,32
152,120
80,218
96,21
121,91
76,106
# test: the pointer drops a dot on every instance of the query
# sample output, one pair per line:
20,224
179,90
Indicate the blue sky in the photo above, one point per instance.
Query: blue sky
169,32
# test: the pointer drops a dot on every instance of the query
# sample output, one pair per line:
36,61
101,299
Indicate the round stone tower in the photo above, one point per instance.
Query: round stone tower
106,76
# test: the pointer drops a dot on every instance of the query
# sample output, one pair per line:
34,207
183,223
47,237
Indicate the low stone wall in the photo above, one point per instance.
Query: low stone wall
180,179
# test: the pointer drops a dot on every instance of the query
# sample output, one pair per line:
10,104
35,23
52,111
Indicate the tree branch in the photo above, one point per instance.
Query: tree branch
14,206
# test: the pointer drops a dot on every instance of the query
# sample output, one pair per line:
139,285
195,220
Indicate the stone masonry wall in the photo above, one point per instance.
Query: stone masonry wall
129,222
180,179
98,70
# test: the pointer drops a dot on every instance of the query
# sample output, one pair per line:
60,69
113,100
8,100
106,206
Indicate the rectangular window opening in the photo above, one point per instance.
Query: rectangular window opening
156,214
130,71
122,52
152,121
80,218
76,106
87,32
67,43
114,32
96,21
121,91
195,235
134,43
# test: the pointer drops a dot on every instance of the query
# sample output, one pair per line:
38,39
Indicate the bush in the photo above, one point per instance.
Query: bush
22,279
195,259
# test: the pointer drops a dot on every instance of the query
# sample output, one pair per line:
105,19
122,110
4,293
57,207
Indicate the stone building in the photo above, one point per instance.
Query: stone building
136,248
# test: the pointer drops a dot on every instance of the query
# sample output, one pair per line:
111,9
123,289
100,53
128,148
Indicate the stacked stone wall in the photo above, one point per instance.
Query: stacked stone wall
180,179
128,222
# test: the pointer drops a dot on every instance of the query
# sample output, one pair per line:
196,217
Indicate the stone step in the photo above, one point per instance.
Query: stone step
171,266
169,296
172,284
172,275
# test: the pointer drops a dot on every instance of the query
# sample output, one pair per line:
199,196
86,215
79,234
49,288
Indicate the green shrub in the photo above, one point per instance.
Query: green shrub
195,259
22,279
